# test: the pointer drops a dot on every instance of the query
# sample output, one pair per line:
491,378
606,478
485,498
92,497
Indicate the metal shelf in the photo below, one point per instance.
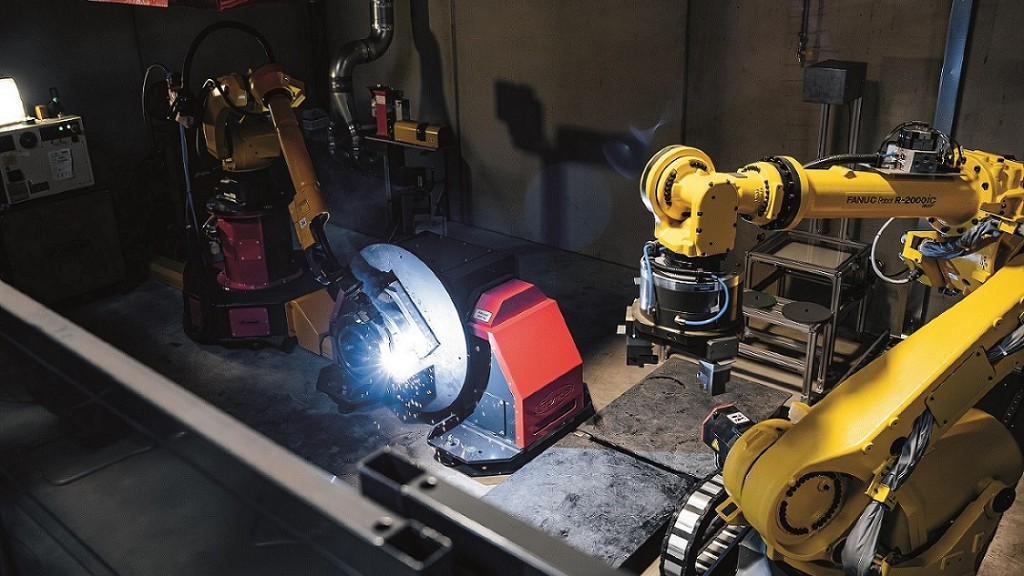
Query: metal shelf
839,266
813,375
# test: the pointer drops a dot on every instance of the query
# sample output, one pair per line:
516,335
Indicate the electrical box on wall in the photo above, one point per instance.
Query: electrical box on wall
835,82
43,158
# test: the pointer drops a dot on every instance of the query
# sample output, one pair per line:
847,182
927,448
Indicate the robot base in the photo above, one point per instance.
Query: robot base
213,314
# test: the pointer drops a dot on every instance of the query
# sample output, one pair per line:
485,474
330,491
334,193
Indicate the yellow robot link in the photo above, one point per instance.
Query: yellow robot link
237,135
803,484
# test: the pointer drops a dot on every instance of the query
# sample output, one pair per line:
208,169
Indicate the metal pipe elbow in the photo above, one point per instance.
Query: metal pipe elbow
356,53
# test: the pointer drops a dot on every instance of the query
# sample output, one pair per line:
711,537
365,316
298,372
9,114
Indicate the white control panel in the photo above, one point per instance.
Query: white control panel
43,158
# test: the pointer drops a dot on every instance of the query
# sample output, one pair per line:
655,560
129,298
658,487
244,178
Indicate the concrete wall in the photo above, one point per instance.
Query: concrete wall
745,85
561,104
745,98
558,104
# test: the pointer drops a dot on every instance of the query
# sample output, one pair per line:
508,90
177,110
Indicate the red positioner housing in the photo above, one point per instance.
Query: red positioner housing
531,344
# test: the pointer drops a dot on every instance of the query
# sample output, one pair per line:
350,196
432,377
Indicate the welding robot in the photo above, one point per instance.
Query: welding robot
440,330
895,472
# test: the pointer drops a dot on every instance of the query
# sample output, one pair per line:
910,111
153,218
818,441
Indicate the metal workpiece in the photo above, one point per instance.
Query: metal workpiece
713,376
402,335
485,540
430,301
806,312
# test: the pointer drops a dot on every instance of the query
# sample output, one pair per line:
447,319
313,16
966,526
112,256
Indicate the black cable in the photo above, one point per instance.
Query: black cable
145,84
1009,345
801,47
913,123
858,554
186,67
223,90
190,214
844,159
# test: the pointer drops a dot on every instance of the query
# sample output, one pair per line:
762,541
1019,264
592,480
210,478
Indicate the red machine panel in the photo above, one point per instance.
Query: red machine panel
249,322
536,353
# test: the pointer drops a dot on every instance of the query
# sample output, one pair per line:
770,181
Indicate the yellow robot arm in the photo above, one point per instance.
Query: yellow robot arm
280,93
695,207
238,135
802,485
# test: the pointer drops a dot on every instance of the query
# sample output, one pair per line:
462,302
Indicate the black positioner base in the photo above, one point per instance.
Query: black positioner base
499,456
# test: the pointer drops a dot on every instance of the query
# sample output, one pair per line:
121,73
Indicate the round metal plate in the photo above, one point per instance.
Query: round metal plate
756,299
436,306
806,312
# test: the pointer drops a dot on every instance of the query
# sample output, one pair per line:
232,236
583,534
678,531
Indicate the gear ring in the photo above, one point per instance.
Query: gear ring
837,500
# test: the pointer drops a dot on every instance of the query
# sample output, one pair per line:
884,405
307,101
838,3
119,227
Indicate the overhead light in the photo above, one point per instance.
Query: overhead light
12,109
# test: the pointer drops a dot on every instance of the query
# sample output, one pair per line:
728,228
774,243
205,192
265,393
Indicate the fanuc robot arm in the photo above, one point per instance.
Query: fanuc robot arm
242,143
894,472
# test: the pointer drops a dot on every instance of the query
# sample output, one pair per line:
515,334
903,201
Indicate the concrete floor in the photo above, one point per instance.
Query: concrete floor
592,294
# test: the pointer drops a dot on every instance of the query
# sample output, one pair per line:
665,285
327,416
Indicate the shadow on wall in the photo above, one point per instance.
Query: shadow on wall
432,105
569,197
